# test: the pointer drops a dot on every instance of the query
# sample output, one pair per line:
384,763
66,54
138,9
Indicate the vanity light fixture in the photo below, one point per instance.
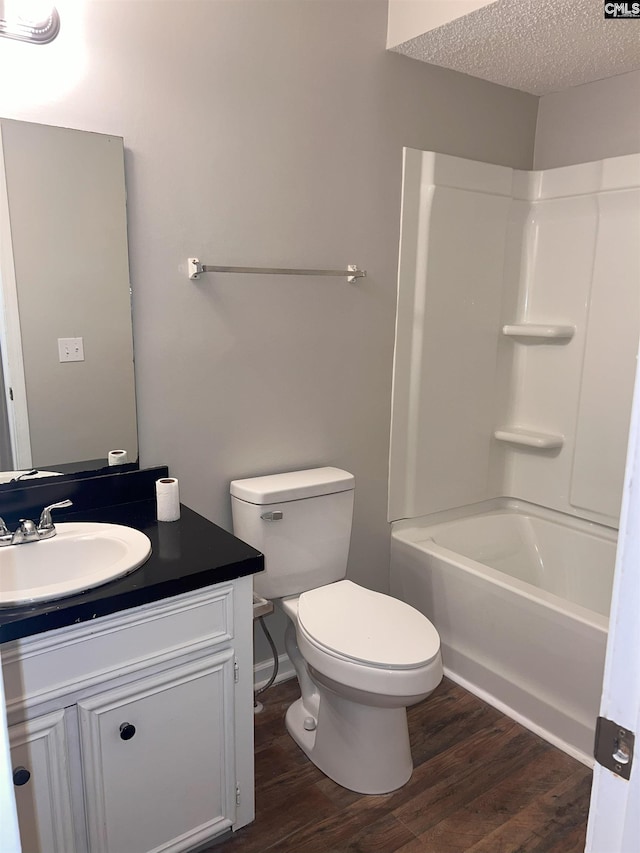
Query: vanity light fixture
35,21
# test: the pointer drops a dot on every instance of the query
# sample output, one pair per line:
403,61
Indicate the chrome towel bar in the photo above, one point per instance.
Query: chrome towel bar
195,268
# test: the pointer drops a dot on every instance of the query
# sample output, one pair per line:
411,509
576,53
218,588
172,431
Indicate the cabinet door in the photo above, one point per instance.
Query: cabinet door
158,759
41,784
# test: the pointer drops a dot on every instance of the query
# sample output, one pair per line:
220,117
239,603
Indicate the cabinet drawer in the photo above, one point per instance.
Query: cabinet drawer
158,759
69,660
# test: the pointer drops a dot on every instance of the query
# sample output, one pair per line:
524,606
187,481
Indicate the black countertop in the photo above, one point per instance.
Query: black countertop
186,555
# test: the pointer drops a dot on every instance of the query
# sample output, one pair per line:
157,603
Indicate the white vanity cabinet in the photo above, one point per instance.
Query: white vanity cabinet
133,732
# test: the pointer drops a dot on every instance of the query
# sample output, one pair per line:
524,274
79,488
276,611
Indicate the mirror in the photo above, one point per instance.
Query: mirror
68,395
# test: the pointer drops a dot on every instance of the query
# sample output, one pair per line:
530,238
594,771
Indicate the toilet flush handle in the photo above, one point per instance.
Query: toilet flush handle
276,515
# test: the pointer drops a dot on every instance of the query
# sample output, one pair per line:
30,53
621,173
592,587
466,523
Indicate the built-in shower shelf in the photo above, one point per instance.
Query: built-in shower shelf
540,331
529,438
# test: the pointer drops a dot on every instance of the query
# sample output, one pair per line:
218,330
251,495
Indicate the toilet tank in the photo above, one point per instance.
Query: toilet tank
301,522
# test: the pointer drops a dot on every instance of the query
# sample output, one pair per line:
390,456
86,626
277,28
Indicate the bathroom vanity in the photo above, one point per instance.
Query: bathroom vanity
130,706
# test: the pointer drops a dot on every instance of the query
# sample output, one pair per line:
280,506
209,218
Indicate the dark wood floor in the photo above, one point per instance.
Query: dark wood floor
481,783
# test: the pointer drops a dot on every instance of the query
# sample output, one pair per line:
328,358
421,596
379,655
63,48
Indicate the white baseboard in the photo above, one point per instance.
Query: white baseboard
263,669
508,711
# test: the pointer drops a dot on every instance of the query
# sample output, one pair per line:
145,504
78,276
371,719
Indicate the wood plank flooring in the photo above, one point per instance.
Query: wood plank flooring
482,783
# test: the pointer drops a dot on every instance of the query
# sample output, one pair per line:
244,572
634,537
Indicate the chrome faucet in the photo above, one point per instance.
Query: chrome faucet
27,531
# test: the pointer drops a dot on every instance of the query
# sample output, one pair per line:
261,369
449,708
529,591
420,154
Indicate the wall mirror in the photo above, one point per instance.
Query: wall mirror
68,394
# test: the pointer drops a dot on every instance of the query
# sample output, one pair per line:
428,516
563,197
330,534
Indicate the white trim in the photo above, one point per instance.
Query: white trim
10,335
470,687
263,669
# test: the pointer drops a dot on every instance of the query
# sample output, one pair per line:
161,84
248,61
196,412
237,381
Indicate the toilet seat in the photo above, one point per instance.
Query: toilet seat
358,625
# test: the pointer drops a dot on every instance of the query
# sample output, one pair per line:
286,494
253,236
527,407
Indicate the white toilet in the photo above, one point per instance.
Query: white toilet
361,657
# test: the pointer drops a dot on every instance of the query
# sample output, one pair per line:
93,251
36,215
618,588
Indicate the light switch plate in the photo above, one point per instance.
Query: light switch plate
71,349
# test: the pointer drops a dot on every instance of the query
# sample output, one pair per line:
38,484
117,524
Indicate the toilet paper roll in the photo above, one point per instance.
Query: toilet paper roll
117,457
168,499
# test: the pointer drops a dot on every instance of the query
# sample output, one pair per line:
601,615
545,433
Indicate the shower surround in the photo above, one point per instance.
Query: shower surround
516,342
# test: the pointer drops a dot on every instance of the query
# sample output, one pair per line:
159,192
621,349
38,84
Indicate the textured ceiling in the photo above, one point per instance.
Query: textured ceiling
536,46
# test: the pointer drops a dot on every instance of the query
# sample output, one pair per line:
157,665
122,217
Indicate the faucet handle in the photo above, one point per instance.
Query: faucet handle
46,522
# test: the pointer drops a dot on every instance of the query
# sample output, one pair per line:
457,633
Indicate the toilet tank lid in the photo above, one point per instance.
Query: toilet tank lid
292,486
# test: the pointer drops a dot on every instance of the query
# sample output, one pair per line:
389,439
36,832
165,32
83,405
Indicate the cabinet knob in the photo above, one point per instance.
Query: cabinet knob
21,776
127,731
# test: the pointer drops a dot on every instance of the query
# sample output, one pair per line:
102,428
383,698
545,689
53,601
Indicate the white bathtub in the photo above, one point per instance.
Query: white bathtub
520,596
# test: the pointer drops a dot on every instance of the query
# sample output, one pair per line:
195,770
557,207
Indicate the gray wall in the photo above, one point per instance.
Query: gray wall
589,122
270,133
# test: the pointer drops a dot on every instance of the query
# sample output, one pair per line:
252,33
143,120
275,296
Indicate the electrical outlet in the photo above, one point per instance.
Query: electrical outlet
70,349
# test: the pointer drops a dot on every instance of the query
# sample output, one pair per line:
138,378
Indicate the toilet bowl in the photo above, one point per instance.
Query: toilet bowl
361,657
356,683
366,640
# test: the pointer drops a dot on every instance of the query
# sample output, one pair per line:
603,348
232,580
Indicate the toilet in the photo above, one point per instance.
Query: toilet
360,657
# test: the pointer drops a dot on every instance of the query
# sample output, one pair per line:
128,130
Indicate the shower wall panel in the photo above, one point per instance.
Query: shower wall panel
610,357
451,277
554,256
584,271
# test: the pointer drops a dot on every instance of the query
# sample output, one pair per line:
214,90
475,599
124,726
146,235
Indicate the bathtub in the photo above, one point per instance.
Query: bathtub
520,596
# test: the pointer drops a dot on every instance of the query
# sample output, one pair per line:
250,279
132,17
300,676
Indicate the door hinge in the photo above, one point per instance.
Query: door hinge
237,795
614,747
236,672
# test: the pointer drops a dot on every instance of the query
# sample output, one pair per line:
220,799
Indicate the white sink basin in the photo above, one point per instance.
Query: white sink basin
80,556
